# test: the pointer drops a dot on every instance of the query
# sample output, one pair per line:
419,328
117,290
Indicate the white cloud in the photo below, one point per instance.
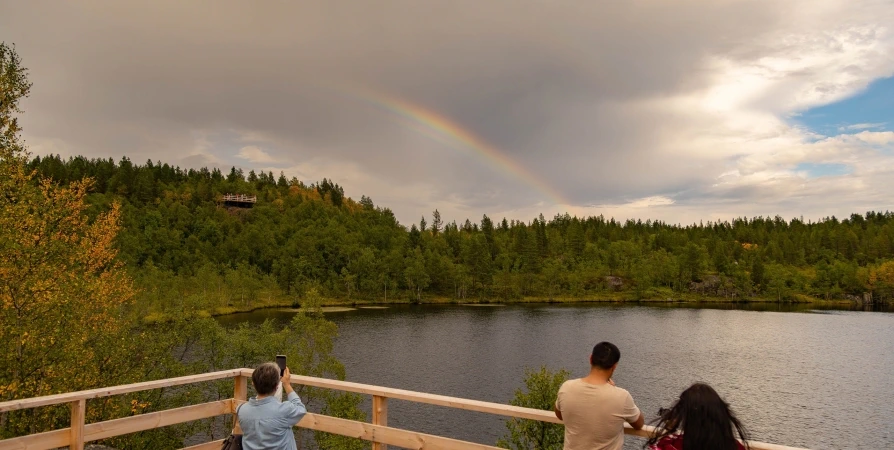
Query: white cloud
254,154
254,136
646,202
201,151
862,126
49,146
875,137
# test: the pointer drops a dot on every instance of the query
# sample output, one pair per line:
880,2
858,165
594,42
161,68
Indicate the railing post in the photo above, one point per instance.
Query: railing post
380,417
240,392
78,413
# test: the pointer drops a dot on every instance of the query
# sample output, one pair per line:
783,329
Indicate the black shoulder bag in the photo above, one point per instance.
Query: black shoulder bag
234,440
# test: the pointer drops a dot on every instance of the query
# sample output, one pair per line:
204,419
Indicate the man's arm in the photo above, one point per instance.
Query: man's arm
556,408
631,411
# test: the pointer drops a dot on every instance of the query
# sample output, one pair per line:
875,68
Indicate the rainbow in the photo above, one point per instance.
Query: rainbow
448,132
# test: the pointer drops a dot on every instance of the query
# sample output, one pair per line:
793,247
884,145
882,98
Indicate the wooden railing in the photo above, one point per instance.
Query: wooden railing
377,431
240,198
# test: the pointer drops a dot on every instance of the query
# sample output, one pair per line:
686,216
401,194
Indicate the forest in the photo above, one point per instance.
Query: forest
110,271
183,247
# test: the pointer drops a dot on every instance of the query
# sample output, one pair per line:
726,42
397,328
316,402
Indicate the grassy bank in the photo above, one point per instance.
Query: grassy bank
667,298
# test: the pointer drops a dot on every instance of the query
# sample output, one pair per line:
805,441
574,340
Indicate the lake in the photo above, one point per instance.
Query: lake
794,376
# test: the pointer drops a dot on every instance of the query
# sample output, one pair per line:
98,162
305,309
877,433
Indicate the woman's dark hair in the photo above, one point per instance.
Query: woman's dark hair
265,378
705,420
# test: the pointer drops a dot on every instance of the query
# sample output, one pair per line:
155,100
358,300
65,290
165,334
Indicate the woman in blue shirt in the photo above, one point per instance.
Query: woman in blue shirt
265,421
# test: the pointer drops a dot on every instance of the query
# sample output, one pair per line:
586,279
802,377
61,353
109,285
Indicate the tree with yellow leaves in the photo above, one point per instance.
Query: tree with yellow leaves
61,289
881,281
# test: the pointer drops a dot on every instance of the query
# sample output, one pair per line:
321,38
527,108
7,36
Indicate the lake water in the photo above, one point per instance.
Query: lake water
805,378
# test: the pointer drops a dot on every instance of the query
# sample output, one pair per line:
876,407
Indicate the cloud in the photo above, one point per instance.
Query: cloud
643,203
254,154
688,104
869,137
861,126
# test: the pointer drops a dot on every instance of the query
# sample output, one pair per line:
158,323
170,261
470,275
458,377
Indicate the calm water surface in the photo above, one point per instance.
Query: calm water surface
809,378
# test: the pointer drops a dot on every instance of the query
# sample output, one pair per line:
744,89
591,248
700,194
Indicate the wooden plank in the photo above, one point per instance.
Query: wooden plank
471,405
380,417
14,405
431,399
78,413
213,445
386,435
240,389
380,410
149,421
240,394
40,441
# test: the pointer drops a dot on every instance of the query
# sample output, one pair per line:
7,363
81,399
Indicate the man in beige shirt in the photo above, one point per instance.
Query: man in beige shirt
593,408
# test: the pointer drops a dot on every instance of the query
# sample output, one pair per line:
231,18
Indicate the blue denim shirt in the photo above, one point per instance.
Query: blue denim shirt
267,424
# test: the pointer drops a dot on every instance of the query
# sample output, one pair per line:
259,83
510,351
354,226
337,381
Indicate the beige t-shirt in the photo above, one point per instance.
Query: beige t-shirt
594,415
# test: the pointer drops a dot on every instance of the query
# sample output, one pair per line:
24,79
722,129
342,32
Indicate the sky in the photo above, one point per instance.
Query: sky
683,111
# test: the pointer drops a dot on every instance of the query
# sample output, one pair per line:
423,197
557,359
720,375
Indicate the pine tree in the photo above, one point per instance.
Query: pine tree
436,224
487,228
757,272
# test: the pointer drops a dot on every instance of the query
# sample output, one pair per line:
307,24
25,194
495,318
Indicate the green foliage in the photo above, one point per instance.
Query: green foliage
541,389
416,276
14,86
192,344
345,406
881,281
61,287
298,236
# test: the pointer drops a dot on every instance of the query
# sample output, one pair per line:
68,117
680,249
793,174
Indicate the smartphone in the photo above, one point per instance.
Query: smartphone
281,362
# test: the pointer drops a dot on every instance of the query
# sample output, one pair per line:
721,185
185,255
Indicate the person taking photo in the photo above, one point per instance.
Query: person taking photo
267,422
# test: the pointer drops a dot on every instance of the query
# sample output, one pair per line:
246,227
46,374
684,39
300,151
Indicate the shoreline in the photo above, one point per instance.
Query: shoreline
612,298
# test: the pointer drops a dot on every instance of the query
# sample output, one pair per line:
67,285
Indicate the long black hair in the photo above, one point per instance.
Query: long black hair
705,420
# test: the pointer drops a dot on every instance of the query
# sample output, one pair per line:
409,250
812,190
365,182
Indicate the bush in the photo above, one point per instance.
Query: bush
542,387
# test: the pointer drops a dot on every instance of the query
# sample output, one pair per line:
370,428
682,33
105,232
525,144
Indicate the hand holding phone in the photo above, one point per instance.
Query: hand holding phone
281,362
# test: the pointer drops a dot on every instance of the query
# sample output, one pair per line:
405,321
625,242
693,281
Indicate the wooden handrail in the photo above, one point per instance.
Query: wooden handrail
422,397
117,390
240,198
378,432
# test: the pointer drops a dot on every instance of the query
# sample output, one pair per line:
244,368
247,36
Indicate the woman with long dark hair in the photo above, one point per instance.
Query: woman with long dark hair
699,420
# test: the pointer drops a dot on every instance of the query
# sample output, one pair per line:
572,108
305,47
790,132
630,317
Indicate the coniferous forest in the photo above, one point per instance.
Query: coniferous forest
185,249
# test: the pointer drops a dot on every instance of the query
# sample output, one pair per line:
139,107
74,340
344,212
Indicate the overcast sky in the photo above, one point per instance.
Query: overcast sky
681,111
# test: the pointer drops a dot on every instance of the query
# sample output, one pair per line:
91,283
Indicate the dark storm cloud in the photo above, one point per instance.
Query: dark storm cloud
567,89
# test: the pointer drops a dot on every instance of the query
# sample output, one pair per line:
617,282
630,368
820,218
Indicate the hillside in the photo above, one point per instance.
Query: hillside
185,250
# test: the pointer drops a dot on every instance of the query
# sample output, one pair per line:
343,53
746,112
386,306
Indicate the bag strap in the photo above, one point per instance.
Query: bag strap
237,429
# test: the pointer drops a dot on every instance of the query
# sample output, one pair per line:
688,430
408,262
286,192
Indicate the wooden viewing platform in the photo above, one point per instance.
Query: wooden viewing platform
377,431
239,200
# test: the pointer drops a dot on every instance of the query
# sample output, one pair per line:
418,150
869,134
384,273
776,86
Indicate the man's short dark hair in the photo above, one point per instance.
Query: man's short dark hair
605,355
266,378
